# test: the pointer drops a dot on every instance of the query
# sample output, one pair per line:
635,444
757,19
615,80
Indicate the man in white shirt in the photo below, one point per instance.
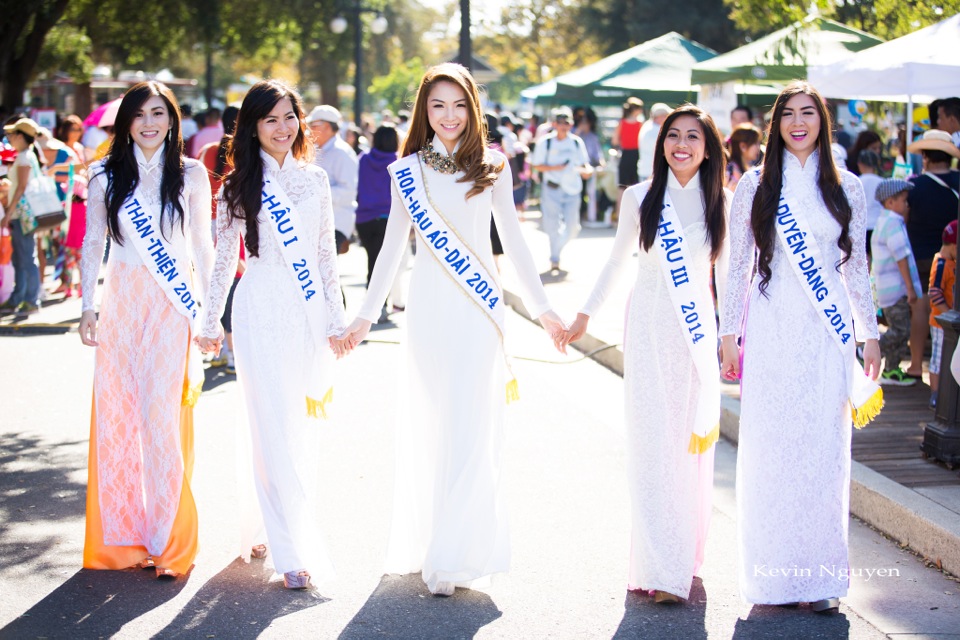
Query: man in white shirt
338,159
188,126
648,139
563,160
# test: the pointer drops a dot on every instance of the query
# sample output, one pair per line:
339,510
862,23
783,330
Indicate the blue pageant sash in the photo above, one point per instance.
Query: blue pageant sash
452,253
693,305
827,294
279,213
171,269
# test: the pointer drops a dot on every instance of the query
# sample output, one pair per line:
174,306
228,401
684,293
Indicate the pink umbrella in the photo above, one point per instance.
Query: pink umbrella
95,119
110,113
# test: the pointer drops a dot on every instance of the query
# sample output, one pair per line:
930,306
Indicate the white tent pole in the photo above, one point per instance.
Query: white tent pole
909,132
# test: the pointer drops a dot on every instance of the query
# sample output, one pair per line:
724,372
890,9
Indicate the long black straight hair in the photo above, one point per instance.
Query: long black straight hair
120,164
242,186
767,198
711,182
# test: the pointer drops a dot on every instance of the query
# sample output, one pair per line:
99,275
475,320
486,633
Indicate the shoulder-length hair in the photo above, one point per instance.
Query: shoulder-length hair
242,186
711,182
120,165
767,198
471,156
745,134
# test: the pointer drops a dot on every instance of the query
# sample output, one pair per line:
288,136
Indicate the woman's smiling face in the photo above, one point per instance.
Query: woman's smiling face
800,125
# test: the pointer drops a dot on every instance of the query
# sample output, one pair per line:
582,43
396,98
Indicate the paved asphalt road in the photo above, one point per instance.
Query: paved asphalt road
564,474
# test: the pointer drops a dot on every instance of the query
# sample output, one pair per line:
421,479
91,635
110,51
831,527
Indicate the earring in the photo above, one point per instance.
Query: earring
129,138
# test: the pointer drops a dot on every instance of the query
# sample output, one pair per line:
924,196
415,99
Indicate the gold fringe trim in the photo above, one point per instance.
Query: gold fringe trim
513,391
318,408
864,414
702,444
191,395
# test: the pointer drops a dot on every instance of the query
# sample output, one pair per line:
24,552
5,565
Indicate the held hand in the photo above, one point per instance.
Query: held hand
88,327
729,358
338,346
207,345
577,329
554,326
355,333
871,358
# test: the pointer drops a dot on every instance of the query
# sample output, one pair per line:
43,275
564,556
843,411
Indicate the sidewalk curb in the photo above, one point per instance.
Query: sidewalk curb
901,513
36,329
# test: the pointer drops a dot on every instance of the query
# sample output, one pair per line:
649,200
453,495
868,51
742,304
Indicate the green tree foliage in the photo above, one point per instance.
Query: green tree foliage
621,24
23,29
397,89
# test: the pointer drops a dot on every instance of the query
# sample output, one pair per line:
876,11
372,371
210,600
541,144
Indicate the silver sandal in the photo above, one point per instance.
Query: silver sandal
296,579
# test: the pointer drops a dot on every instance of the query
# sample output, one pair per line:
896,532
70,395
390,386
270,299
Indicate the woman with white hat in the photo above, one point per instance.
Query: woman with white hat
933,204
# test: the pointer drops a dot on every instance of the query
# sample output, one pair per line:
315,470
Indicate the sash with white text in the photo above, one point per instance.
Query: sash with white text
827,294
693,305
456,259
280,214
171,270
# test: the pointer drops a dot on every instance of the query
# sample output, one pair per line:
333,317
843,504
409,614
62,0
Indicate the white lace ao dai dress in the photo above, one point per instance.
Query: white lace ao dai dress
670,489
274,349
449,518
793,464
141,432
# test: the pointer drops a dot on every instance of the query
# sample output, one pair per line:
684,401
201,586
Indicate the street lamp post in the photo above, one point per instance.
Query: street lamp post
338,25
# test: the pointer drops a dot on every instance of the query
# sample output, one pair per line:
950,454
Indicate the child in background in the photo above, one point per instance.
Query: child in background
941,300
896,278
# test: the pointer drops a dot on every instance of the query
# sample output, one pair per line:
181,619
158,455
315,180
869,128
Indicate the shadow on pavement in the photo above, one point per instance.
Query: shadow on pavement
36,489
790,622
643,618
93,604
213,377
238,603
401,607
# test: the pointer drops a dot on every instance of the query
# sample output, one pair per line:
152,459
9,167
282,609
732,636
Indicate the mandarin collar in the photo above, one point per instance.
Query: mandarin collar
152,162
438,145
673,183
792,162
270,163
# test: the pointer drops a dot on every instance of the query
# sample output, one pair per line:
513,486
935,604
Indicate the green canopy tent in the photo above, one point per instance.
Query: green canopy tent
656,71
784,55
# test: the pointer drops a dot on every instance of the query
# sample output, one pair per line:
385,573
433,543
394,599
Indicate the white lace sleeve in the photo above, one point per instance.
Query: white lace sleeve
388,261
721,268
198,212
94,239
855,273
224,270
508,225
327,260
742,250
628,234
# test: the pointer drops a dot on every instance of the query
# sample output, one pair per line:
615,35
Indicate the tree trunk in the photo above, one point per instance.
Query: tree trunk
16,66
329,79
82,99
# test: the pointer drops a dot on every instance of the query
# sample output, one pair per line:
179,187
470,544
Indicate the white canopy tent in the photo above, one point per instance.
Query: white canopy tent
918,67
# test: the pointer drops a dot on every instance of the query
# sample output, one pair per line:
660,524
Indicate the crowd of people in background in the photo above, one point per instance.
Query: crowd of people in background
573,164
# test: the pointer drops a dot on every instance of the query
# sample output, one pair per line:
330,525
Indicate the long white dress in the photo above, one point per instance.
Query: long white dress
449,519
139,500
274,350
670,489
793,466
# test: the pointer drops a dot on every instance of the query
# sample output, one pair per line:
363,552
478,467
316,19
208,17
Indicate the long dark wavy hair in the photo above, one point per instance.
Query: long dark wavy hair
711,182
471,156
120,165
229,121
767,198
242,186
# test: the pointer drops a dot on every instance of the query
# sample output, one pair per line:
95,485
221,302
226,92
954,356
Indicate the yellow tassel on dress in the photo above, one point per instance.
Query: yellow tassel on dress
191,395
513,391
318,408
864,414
702,444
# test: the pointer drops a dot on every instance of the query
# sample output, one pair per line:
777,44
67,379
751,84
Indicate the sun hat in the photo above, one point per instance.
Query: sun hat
891,187
935,140
324,112
23,125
